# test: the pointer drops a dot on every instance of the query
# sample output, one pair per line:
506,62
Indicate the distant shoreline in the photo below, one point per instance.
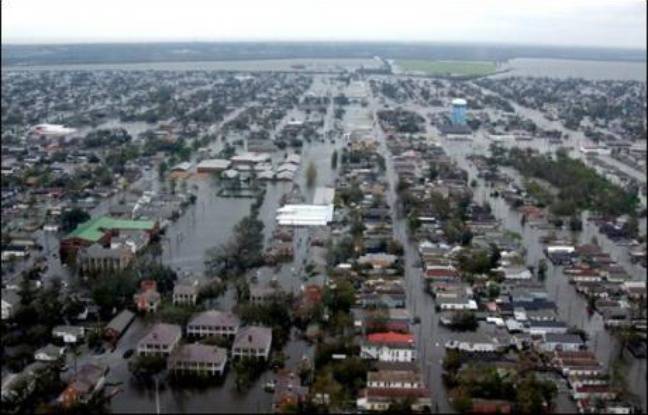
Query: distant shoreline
122,53
530,67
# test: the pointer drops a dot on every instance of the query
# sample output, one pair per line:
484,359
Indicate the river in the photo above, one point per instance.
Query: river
571,68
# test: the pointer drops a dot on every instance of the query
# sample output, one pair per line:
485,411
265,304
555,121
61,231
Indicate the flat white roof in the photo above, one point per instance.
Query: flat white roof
251,157
459,101
52,129
305,215
214,164
184,166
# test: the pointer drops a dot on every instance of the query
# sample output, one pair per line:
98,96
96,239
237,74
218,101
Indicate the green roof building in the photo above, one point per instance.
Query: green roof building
99,230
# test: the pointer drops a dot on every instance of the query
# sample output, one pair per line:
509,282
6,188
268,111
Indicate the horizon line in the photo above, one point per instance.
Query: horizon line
278,40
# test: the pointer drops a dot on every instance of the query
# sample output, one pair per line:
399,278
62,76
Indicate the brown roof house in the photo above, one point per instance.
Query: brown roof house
213,323
288,392
161,340
186,293
198,359
89,380
148,298
252,341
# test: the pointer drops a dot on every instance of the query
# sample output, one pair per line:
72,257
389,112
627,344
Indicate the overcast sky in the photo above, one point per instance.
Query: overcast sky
606,23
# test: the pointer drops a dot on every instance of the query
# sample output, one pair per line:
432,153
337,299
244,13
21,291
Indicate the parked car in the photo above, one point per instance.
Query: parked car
128,353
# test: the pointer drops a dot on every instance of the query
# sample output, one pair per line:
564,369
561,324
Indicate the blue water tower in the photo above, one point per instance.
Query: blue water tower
459,111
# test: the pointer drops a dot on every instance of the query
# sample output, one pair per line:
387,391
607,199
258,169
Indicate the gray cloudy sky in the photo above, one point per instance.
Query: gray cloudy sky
613,23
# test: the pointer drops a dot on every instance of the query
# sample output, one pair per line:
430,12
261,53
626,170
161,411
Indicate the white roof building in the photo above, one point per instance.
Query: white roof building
51,130
305,215
213,165
184,166
250,158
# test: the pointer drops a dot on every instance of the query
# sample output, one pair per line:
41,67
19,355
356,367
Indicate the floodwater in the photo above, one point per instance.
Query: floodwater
572,308
209,222
315,65
570,68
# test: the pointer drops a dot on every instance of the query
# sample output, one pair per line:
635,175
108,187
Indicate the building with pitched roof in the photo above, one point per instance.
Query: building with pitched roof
213,323
197,359
100,230
252,341
162,339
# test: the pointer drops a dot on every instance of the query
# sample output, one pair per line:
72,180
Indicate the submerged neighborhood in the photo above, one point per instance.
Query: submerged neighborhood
353,237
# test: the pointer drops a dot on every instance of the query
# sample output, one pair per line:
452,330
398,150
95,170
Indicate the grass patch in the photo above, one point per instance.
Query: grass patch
448,68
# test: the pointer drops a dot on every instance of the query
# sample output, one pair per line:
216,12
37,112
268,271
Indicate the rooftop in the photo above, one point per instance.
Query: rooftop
94,229
390,337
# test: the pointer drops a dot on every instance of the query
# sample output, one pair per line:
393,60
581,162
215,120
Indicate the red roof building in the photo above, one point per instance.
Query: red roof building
391,338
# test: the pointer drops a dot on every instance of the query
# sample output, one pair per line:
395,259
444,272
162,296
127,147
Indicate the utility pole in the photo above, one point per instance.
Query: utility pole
157,396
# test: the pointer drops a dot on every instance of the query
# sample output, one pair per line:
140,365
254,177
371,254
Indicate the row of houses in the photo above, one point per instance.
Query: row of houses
382,323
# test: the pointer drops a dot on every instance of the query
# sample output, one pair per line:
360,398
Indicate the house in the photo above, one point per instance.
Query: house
252,341
560,254
261,295
577,363
379,260
544,327
566,342
160,340
249,159
475,347
213,166
634,289
148,298
49,353
603,392
288,391
185,293
395,379
89,379
380,399
590,406
182,167
391,319
12,381
10,300
117,326
198,359
515,273
463,302
389,347
100,230
213,323
69,334
491,406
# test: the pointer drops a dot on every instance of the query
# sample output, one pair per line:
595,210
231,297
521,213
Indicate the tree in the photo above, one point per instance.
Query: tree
531,395
71,218
493,291
575,224
162,169
334,159
495,255
461,399
542,270
247,370
311,175
144,367
340,298
464,321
